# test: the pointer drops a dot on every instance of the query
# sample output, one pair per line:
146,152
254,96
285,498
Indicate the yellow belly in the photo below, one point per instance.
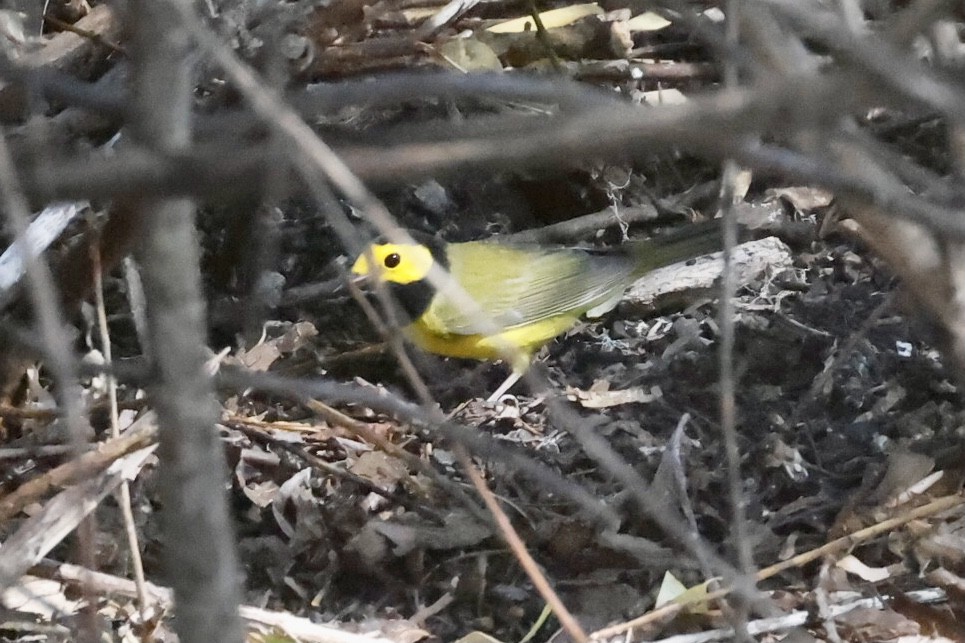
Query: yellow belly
525,340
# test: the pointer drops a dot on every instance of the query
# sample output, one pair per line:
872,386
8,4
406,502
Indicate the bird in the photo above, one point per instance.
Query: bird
521,296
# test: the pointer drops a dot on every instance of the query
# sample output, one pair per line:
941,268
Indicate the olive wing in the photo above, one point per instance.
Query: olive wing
520,285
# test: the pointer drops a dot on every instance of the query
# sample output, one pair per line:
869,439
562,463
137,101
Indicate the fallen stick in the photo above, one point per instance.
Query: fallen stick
658,288
301,629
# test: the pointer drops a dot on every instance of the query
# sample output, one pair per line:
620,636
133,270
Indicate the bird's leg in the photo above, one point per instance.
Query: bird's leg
505,386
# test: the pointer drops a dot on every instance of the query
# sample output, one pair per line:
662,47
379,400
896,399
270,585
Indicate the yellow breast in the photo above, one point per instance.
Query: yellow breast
525,339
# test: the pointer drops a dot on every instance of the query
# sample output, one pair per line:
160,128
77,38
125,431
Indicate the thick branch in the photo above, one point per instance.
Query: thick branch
200,554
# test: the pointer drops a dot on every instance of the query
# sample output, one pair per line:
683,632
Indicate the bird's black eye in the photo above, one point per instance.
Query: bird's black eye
392,260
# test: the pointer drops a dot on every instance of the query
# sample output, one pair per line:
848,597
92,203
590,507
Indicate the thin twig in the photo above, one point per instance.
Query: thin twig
88,464
580,227
839,544
57,348
824,605
299,452
728,385
362,430
301,390
86,33
298,628
127,513
516,544
728,404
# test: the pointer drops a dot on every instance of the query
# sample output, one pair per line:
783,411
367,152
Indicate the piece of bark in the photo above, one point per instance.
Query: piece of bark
660,288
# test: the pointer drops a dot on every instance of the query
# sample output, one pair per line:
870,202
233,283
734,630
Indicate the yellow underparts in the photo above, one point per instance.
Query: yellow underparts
525,339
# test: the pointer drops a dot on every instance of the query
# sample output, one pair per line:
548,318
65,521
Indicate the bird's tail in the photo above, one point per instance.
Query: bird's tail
686,243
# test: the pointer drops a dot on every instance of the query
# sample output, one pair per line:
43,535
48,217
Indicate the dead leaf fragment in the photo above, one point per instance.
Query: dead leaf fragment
460,530
693,598
780,454
470,54
804,199
933,619
905,469
381,469
550,19
296,337
260,357
38,596
868,624
670,589
605,399
669,96
478,637
854,566
648,21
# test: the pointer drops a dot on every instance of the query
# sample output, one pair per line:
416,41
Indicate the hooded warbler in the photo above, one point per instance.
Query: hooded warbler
530,293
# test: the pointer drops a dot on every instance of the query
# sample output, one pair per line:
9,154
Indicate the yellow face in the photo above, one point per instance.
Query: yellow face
397,263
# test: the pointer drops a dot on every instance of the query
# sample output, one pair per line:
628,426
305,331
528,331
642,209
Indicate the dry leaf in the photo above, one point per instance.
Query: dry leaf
663,97
460,530
470,54
936,620
804,199
867,624
478,637
854,566
260,357
905,469
780,454
38,596
605,399
648,21
12,29
742,183
380,469
694,599
550,19
670,589
402,631
298,336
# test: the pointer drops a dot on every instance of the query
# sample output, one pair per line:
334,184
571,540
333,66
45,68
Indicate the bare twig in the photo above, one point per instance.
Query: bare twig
302,390
837,545
802,617
86,465
301,629
516,544
395,498
580,227
85,33
200,552
57,348
363,431
61,515
728,403
124,492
